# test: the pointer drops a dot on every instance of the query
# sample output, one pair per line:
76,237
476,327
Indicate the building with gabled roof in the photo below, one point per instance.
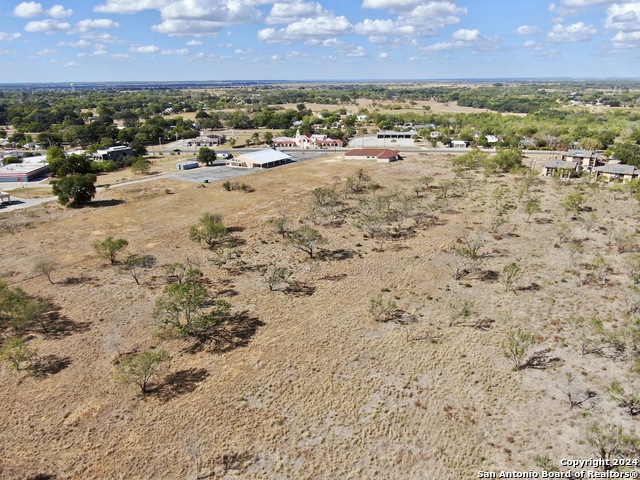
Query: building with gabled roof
307,141
382,155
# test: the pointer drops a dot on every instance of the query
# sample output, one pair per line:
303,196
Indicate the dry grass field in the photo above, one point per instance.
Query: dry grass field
314,387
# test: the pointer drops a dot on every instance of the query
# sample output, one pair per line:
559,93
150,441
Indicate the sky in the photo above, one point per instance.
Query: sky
219,40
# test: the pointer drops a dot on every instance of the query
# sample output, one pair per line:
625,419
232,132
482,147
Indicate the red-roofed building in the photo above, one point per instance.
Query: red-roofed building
307,141
382,155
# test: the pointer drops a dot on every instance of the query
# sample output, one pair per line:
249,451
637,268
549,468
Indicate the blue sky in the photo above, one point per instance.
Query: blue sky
172,40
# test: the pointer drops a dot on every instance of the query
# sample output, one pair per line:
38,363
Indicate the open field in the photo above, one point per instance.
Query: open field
315,387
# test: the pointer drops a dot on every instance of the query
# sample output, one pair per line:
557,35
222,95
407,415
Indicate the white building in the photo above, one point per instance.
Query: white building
261,159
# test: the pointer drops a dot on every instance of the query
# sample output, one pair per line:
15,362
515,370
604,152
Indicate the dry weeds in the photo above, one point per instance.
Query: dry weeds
321,390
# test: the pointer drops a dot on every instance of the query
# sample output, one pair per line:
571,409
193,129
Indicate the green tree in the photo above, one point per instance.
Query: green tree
207,156
75,189
109,248
45,267
610,441
306,239
381,310
280,224
531,206
628,153
209,230
15,352
141,368
573,203
55,154
627,399
516,345
188,310
471,160
62,166
510,273
141,166
508,160
20,311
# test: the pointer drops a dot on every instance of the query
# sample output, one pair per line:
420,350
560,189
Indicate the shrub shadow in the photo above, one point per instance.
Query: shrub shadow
75,280
56,325
48,365
541,360
181,382
339,254
299,289
103,203
233,332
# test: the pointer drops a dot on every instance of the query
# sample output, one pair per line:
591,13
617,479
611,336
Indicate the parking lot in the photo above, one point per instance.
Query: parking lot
210,174
219,170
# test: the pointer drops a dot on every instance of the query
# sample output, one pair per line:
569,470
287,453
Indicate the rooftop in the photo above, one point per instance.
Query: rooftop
265,156
372,152
21,168
616,168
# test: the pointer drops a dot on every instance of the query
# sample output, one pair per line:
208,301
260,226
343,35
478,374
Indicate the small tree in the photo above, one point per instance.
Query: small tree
109,248
576,397
381,310
610,441
473,245
277,277
137,264
188,310
372,215
45,267
306,239
600,268
633,267
358,182
209,230
516,345
531,206
510,273
460,310
15,352
75,189
141,166
573,203
280,225
19,311
186,272
627,399
140,368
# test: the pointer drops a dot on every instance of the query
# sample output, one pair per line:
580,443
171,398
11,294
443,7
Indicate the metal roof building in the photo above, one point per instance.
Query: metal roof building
261,159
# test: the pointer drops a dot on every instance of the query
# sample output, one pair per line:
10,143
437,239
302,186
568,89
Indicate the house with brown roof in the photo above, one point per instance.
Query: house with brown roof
382,155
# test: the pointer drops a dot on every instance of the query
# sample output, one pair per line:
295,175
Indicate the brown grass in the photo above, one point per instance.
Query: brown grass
321,390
